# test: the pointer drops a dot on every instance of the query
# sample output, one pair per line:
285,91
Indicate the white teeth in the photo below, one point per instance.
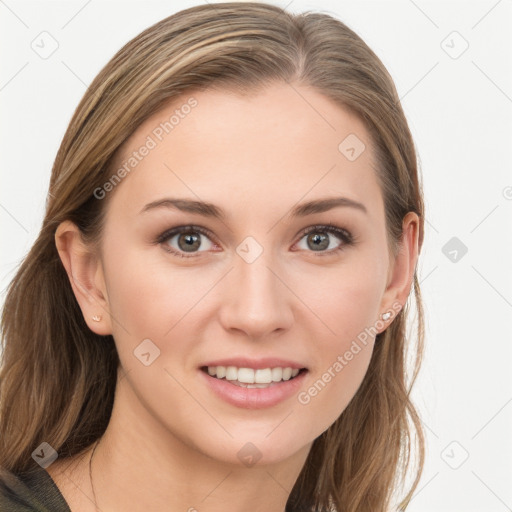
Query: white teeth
246,375
250,376
231,373
277,374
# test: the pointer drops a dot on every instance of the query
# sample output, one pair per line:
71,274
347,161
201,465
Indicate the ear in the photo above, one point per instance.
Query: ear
402,268
85,273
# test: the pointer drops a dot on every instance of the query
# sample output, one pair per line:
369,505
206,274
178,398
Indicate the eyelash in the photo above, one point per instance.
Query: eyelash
345,236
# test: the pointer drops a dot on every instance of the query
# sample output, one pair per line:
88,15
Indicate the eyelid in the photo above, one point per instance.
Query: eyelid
342,233
184,229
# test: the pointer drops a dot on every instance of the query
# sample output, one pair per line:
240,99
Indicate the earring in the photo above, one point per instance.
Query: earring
386,316
96,318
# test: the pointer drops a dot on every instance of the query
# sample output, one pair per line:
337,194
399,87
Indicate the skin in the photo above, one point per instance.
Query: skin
171,443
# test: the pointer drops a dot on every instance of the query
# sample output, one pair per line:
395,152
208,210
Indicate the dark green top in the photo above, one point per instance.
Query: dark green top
33,491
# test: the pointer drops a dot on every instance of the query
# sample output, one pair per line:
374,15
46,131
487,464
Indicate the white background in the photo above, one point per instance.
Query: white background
460,113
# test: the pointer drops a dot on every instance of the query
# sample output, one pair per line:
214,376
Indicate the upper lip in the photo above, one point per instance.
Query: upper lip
265,362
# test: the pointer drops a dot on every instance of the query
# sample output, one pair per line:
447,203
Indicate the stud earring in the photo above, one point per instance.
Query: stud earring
96,318
386,316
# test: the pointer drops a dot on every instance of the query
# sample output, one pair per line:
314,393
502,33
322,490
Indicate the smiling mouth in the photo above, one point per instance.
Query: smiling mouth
250,378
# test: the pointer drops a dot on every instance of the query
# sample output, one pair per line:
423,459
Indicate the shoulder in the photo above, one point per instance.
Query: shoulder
32,491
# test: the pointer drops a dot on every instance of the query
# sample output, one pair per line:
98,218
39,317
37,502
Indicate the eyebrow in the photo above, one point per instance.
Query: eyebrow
210,210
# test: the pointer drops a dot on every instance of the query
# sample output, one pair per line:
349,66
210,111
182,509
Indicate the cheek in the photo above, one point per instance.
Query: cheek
340,367
347,302
344,298
149,295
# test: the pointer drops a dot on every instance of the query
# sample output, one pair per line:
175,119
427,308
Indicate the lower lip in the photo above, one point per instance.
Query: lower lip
254,398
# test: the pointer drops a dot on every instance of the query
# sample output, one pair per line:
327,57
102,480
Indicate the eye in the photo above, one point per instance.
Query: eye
188,241
322,239
185,241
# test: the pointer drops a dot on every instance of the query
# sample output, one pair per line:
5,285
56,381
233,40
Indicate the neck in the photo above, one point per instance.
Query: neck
140,465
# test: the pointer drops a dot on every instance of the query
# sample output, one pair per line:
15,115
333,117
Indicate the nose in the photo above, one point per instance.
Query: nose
255,299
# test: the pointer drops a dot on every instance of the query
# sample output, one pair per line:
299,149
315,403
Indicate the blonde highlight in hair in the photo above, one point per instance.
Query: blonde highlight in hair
58,378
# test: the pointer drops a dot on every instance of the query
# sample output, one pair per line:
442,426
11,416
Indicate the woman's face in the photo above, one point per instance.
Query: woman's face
244,285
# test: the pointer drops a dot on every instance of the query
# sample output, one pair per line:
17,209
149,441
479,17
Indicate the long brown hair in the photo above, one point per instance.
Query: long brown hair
58,378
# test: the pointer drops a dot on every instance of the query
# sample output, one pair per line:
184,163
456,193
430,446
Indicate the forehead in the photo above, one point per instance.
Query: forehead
282,144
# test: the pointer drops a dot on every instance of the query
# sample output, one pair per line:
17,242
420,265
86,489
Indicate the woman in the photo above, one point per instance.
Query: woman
213,316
